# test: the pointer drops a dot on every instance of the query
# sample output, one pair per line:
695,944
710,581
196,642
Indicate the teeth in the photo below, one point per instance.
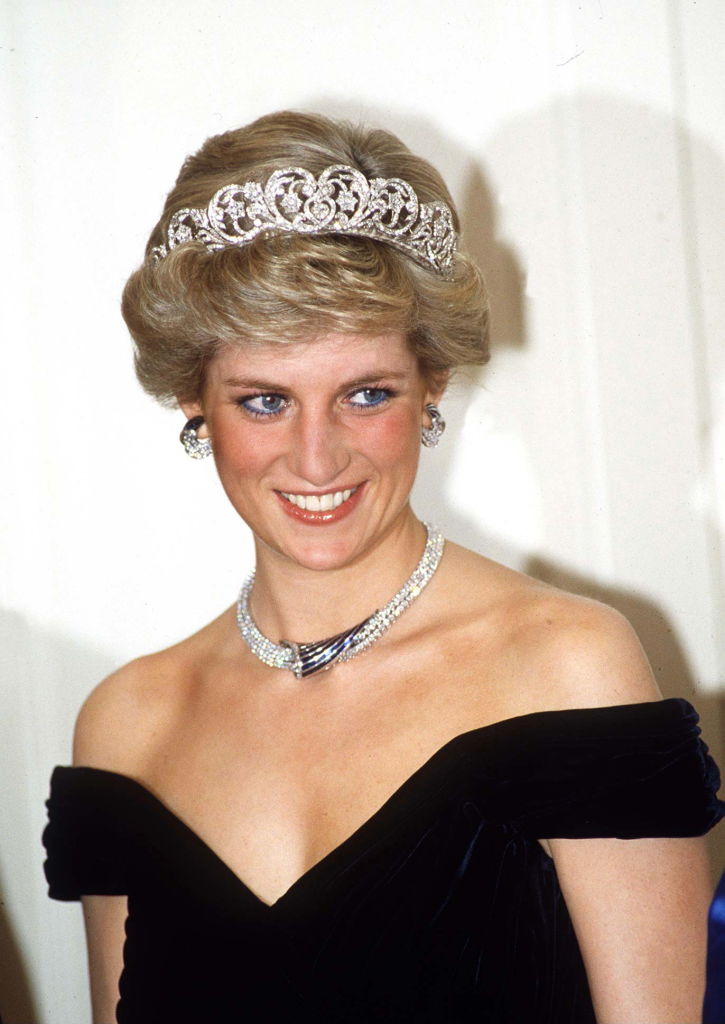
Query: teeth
319,502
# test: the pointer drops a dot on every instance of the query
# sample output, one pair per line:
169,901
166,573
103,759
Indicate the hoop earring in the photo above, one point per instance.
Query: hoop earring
196,447
430,436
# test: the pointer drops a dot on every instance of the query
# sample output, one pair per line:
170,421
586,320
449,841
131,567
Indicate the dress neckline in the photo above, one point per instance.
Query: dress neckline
389,810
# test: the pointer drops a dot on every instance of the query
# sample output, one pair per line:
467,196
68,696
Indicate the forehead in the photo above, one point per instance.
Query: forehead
330,357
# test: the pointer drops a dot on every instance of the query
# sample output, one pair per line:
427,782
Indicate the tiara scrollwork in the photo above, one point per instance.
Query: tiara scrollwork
341,200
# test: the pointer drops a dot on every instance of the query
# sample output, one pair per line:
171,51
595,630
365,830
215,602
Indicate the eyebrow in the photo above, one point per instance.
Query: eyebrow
259,384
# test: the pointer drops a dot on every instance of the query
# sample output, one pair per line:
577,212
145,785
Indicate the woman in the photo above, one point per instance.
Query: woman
468,807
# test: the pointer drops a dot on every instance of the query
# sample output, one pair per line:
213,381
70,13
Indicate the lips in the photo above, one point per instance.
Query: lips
320,508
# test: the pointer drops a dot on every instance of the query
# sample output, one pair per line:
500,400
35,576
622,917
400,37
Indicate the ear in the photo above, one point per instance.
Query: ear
190,409
436,384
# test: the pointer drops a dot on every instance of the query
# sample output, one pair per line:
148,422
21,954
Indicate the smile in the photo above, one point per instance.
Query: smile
319,502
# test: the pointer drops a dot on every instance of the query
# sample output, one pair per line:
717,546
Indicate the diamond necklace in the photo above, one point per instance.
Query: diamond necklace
307,658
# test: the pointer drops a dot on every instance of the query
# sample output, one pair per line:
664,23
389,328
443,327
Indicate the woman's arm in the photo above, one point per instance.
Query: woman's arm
105,917
111,732
639,906
639,909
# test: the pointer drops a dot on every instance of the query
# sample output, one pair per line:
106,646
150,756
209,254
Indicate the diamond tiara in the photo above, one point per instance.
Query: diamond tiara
341,200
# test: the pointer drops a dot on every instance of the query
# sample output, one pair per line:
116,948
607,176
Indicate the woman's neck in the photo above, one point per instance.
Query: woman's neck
293,602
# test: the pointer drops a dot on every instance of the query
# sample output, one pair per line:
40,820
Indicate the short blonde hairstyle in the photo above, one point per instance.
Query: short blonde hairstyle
293,287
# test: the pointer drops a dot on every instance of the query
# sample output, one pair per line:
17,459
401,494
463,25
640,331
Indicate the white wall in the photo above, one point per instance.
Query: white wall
584,142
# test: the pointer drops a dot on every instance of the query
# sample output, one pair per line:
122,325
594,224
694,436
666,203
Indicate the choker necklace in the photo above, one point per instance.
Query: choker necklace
307,658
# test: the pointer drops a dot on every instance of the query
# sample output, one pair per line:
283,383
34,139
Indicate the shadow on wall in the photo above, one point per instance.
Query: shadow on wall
45,678
502,270
17,1002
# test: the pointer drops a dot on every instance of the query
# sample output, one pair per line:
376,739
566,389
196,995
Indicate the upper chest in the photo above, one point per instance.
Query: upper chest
274,772
275,779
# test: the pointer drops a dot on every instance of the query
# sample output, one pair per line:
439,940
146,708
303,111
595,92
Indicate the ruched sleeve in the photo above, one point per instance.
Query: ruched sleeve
631,771
89,840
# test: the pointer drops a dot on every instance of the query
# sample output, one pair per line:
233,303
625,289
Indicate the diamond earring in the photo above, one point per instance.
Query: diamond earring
194,446
430,436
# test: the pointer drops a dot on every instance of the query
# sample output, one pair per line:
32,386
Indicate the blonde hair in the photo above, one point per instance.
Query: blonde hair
293,287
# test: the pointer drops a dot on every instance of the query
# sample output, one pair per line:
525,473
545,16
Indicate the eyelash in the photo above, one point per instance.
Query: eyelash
244,403
385,395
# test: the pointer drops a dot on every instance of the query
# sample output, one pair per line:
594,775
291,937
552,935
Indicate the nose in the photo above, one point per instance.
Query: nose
318,451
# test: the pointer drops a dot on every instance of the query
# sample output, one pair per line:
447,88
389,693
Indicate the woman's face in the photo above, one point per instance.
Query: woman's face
317,443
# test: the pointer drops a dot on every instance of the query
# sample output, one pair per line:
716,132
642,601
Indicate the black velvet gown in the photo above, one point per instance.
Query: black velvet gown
442,907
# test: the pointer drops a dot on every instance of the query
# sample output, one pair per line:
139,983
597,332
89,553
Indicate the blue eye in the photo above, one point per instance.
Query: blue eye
263,405
367,398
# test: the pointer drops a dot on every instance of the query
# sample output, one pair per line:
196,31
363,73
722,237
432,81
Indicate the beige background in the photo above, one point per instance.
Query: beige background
585,144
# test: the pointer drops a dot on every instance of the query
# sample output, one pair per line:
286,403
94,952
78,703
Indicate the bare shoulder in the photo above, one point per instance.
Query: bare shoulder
127,714
558,650
586,653
121,713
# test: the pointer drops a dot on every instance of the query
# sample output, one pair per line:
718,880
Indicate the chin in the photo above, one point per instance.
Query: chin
321,555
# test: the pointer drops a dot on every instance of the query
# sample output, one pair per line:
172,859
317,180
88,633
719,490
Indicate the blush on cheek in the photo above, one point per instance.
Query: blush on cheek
242,451
393,436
